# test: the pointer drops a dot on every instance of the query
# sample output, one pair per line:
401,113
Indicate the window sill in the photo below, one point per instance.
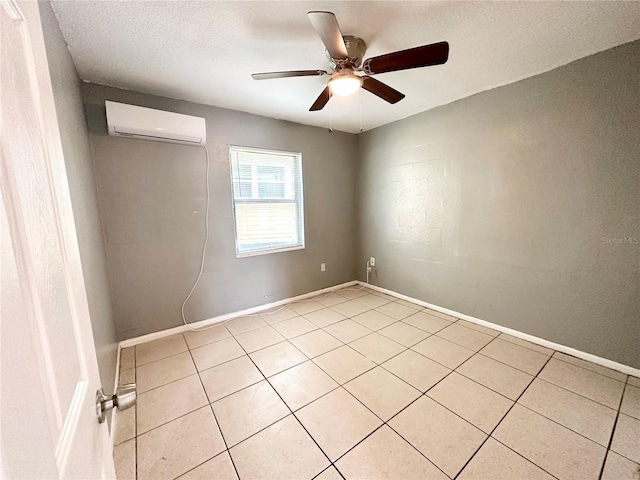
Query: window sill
268,252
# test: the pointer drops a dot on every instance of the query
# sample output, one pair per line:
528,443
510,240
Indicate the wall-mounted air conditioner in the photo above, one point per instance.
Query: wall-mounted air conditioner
149,124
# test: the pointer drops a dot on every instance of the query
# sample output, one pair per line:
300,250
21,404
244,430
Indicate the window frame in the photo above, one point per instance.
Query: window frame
298,202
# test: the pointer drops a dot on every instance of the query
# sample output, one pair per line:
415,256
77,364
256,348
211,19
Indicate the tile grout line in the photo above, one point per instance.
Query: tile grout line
521,456
226,361
184,415
265,378
553,354
381,365
270,376
209,342
393,416
300,334
425,394
340,385
613,431
208,460
536,377
493,337
564,426
294,346
385,424
624,455
170,381
480,383
576,393
288,368
397,413
339,339
290,410
214,418
176,380
405,348
601,404
227,450
281,371
587,369
506,339
490,435
329,467
342,344
169,421
503,363
284,306
386,338
239,390
527,373
468,327
514,403
158,359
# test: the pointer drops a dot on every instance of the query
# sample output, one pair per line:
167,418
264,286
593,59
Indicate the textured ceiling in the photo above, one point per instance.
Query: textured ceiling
205,51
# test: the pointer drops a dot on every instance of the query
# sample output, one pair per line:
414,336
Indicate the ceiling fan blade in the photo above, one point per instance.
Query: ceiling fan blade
322,100
382,90
327,27
434,54
290,73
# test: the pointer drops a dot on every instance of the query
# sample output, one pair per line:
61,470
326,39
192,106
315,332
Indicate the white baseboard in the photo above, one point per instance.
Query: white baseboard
620,367
227,316
525,336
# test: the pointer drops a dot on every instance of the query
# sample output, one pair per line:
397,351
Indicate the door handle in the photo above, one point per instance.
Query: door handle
125,397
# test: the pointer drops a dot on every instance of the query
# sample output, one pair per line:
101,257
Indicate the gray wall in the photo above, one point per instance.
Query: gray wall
77,156
500,205
152,200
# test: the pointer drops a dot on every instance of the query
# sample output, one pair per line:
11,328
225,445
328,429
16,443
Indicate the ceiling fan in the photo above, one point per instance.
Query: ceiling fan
345,55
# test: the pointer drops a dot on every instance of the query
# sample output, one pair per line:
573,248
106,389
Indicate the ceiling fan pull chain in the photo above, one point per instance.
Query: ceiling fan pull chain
360,99
330,127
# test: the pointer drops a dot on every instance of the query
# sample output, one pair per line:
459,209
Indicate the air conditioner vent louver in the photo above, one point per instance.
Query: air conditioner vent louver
158,125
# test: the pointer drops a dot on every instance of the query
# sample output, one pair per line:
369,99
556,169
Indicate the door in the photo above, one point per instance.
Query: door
49,372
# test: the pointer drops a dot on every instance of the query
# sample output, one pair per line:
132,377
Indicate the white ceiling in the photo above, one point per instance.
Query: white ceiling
205,51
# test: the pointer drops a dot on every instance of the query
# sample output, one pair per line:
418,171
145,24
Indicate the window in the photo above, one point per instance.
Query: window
267,200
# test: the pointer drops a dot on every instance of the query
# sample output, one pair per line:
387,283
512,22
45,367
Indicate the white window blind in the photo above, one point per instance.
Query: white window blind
267,200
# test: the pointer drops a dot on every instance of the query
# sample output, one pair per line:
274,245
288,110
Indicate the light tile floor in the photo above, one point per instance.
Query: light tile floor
359,384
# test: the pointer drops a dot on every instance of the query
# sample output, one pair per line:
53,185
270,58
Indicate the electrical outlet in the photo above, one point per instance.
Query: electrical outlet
322,267
372,261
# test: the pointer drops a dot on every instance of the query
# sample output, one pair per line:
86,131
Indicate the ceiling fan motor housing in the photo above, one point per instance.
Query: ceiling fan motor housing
356,49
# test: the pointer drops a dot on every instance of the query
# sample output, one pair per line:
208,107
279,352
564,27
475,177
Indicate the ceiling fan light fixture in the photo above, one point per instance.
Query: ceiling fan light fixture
345,84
